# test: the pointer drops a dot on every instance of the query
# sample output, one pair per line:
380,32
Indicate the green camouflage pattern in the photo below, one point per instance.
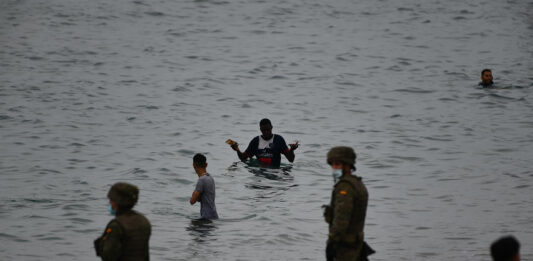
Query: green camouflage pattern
125,238
349,201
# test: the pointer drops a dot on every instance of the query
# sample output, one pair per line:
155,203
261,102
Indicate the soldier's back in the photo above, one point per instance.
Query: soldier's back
137,230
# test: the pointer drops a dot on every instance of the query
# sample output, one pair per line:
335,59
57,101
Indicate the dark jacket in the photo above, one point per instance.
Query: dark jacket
125,238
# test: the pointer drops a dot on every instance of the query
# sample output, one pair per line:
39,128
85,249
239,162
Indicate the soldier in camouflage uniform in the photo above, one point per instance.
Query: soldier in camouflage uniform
126,236
347,210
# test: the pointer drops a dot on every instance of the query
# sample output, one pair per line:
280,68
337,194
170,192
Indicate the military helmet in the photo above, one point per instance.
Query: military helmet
343,154
124,194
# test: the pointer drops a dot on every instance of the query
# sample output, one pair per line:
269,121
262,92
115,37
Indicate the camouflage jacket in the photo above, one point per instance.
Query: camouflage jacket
125,238
349,200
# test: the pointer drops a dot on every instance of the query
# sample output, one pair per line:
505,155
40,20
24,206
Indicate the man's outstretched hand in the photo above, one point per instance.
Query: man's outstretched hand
234,145
294,146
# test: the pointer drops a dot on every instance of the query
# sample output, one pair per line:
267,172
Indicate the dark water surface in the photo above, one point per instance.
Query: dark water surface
95,92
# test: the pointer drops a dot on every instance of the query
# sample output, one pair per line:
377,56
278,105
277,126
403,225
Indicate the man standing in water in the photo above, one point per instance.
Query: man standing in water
347,210
126,236
505,249
267,147
205,189
486,78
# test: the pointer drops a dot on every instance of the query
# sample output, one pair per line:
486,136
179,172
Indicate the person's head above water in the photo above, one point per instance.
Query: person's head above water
266,128
486,78
505,249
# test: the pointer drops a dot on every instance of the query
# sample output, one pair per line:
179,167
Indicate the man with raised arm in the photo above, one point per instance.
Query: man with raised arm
267,147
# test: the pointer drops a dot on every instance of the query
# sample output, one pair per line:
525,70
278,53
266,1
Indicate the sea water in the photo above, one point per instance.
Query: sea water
97,92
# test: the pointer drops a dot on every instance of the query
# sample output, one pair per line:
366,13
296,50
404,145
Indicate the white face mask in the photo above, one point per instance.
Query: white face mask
337,174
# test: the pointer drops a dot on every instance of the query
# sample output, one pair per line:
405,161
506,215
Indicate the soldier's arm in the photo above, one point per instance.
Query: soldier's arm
111,242
342,212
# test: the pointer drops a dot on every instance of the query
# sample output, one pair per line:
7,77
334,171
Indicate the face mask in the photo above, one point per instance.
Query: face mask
111,210
337,174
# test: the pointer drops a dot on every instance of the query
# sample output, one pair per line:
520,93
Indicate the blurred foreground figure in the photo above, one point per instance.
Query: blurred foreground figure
126,236
505,249
347,210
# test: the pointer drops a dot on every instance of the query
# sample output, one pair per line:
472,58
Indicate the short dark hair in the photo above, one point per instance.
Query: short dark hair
485,70
504,249
265,121
199,160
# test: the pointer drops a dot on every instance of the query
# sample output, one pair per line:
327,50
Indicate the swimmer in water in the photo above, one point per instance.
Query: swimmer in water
486,78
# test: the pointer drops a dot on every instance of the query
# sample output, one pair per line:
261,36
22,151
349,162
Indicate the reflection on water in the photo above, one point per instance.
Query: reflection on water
202,230
269,182
281,173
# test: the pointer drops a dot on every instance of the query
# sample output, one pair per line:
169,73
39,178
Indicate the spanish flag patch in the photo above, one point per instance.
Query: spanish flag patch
343,192
108,230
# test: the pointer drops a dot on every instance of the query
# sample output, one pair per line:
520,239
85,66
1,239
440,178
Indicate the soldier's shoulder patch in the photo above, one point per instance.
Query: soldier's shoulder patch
343,192
108,230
